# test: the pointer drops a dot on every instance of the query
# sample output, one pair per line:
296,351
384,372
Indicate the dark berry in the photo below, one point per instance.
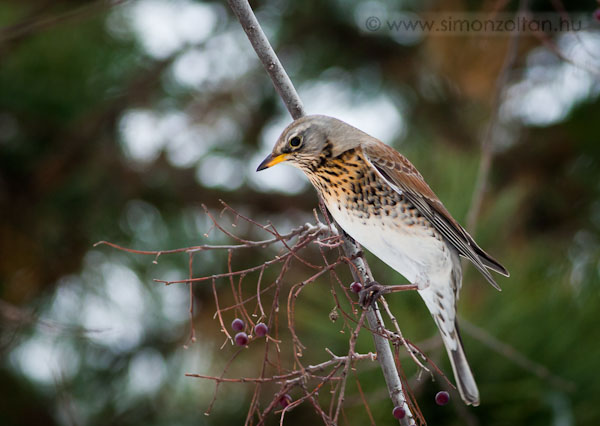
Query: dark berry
597,14
442,398
285,400
241,339
398,413
261,329
356,286
238,324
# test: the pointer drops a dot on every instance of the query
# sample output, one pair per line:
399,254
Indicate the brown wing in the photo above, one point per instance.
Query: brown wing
405,178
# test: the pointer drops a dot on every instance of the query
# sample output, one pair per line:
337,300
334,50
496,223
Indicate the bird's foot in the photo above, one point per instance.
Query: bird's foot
370,293
373,291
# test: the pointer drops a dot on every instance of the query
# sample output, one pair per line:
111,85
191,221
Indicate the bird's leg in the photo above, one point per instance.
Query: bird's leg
373,291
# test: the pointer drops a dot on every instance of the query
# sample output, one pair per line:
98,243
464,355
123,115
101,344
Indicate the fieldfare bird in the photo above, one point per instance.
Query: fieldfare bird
380,199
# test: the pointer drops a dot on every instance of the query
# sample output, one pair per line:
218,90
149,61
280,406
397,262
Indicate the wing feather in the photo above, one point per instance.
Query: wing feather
404,178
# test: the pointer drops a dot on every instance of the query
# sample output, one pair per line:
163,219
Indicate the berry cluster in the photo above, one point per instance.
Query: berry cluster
241,338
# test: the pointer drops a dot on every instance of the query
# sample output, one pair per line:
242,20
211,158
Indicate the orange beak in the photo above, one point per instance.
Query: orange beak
270,161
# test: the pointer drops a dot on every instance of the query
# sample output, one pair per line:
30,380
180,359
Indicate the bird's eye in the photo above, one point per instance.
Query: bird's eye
295,141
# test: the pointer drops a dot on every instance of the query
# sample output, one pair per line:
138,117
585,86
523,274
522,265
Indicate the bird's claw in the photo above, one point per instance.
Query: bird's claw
370,293
373,291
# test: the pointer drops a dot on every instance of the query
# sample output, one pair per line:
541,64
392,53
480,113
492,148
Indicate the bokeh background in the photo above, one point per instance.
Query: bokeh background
117,120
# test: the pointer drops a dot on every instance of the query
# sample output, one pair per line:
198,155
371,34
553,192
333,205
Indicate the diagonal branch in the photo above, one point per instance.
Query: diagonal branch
487,144
360,271
268,58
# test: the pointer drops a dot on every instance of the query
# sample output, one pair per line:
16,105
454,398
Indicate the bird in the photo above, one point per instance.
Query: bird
379,198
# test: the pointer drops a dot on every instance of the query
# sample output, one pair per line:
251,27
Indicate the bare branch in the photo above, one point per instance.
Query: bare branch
385,356
290,97
267,56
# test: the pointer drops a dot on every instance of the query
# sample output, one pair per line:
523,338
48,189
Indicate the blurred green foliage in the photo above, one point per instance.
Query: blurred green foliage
74,75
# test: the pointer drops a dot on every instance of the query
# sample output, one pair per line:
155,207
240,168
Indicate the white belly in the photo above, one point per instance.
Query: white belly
416,253
413,251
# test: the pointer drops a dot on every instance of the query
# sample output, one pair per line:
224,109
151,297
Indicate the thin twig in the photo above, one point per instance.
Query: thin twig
36,23
401,338
192,337
487,145
306,228
352,344
364,400
515,356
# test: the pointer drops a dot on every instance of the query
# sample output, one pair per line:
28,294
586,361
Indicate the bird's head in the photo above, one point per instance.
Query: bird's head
301,143
310,138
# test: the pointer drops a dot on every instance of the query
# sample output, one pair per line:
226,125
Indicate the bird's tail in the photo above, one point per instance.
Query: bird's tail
465,382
